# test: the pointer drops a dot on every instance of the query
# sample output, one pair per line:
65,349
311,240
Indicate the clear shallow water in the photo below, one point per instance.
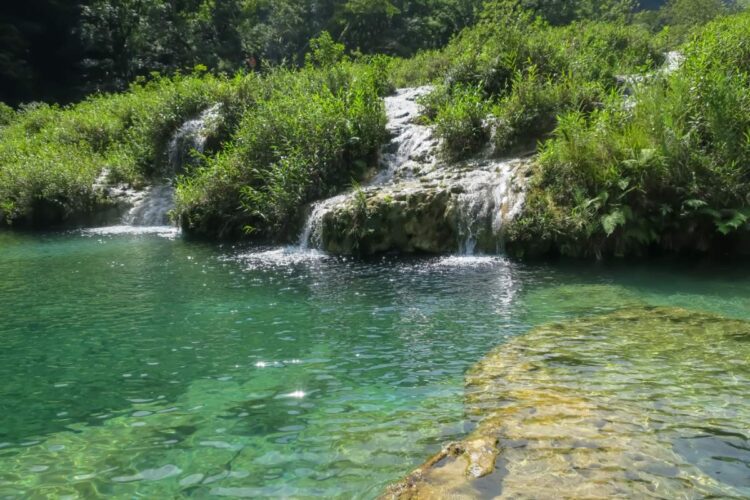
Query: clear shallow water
139,364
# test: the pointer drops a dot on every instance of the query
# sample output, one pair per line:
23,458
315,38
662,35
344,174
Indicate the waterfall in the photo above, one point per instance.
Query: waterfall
311,232
481,195
190,138
154,203
153,208
673,61
488,197
412,147
410,151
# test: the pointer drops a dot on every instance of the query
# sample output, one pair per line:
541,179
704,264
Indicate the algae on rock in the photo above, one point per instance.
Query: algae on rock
640,402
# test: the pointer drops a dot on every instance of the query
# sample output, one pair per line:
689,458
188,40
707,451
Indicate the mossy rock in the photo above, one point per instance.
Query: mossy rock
410,221
638,403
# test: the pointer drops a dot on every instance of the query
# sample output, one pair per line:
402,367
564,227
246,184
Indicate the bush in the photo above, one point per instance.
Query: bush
310,135
526,73
669,171
51,156
461,122
7,114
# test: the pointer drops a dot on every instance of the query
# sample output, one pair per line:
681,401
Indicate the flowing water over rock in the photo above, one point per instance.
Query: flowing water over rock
413,147
150,207
153,207
417,203
191,138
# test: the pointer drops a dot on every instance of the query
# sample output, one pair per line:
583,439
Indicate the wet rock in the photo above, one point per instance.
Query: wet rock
417,203
451,209
601,407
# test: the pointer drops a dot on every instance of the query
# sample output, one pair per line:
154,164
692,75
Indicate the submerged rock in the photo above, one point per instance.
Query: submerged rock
575,300
640,402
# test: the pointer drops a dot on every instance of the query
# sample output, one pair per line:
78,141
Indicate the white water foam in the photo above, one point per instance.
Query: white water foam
170,232
279,257
153,206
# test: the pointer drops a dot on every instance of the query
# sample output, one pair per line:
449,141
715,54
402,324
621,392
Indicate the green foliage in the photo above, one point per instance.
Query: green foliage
560,13
461,122
680,18
7,114
526,72
50,156
667,171
308,135
286,138
51,49
530,112
324,51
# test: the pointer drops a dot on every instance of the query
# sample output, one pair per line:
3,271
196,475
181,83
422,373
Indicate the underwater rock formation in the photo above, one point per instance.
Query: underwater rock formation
640,402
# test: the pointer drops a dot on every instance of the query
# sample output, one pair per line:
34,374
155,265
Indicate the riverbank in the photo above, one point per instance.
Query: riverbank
527,155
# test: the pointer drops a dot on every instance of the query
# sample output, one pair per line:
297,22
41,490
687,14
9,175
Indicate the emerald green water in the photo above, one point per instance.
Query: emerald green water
141,365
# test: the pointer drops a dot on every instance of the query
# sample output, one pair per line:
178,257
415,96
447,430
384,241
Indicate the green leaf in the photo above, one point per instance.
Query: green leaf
738,220
613,220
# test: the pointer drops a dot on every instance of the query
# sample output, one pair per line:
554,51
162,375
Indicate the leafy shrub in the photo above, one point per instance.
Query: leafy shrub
312,133
461,122
527,73
51,156
669,171
7,114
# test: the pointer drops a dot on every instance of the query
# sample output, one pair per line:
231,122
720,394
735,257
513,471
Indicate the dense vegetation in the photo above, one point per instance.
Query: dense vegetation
625,164
52,49
295,135
632,157
669,168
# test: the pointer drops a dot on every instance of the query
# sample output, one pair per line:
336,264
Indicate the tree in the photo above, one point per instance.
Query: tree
693,12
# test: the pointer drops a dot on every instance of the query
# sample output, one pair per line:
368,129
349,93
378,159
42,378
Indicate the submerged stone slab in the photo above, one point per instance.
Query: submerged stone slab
644,402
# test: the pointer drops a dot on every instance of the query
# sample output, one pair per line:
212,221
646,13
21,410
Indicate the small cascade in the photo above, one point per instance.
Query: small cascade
190,138
411,151
412,147
673,61
311,237
152,206
420,201
488,198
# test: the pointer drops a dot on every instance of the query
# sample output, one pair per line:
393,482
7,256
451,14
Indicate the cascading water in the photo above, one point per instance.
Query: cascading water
489,196
411,150
484,194
153,206
311,231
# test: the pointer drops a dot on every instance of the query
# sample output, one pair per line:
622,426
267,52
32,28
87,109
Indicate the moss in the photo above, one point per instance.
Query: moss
600,406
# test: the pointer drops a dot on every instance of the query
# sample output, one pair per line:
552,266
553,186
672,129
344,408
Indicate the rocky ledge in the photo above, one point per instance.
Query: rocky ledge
459,208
